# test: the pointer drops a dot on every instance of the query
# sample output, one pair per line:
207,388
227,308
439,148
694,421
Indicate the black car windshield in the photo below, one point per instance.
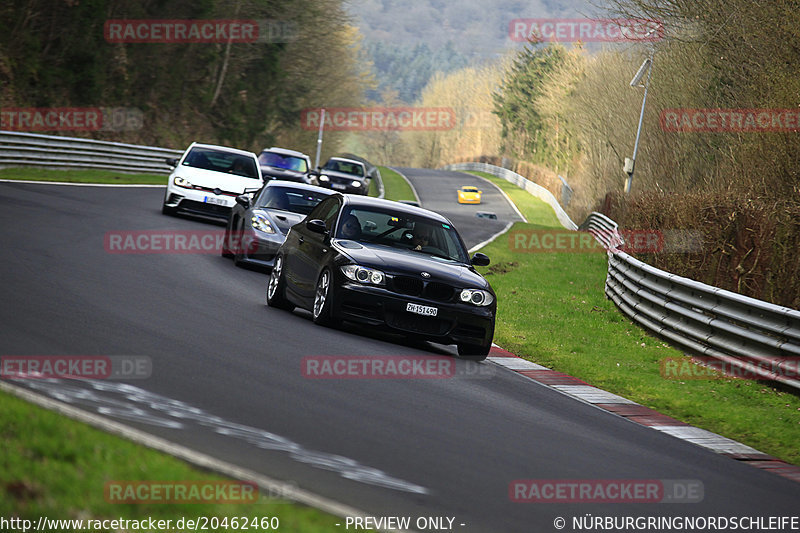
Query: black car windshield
289,199
400,230
347,167
287,162
219,161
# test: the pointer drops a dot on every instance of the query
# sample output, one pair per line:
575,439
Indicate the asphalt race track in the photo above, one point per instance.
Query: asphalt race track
227,378
437,192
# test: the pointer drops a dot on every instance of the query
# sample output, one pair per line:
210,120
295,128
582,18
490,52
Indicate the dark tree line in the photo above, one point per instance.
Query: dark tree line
408,69
53,53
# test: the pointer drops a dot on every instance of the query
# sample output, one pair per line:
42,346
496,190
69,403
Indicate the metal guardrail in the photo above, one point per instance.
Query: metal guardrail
746,335
521,182
52,151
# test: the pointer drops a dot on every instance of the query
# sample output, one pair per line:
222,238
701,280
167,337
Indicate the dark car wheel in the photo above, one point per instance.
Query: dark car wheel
167,210
276,289
474,352
238,255
226,242
322,300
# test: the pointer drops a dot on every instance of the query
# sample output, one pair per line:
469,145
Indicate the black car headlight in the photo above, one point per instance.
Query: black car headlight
477,297
261,223
182,182
365,275
355,183
323,177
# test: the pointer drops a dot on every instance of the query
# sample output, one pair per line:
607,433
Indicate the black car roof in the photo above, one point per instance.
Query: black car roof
357,200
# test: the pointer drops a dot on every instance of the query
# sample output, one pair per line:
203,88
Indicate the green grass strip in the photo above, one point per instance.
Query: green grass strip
552,310
395,186
82,176
55,467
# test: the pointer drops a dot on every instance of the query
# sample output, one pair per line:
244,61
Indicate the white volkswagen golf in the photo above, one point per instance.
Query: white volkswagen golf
208,178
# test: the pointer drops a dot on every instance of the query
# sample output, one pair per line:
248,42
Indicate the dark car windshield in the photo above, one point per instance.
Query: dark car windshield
344,166
289,199
287,162
399,230
219,161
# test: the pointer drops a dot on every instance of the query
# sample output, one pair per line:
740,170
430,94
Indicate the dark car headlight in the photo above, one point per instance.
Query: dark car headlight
261,223
477,297
368,276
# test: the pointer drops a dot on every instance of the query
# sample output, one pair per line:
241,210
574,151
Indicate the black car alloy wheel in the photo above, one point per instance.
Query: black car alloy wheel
277,287
322,300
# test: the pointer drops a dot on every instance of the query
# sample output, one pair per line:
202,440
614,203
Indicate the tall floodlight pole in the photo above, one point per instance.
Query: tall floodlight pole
647,66
319,136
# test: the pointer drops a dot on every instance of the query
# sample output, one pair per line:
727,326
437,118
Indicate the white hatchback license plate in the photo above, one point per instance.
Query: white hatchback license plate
421,309
340,186
215,201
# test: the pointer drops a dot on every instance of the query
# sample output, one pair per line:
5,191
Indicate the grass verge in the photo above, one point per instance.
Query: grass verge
395,186
552,310
82,176
55,467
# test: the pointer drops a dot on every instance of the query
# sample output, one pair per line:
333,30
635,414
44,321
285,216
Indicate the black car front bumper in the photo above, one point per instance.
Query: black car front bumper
454,323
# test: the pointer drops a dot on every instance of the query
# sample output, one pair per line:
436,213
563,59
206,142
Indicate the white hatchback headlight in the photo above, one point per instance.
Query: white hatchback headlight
182,182
477,297
364,275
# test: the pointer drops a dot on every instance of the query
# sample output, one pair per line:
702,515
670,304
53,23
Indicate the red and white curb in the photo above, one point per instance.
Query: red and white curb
572,386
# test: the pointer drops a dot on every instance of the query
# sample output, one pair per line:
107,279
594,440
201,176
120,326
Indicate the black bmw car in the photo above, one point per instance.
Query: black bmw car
257,227
381,263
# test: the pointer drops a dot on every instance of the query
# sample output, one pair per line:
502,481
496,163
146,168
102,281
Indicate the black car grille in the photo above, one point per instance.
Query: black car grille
407,285
439,291
202,207
434,290
214,190
417,324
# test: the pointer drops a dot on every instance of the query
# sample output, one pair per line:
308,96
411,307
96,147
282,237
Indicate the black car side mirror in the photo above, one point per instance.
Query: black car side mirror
317,226
171,161
243,200
480,260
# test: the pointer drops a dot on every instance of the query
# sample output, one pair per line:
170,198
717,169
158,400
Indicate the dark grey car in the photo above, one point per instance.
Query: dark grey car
259,221
344,175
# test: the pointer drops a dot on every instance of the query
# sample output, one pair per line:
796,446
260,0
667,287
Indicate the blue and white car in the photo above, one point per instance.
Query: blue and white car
208,178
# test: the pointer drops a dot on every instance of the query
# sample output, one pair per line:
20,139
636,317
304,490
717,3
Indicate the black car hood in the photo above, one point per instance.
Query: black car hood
408,262
282,220
282,173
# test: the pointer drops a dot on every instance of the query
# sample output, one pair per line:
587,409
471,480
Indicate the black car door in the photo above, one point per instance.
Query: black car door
309,249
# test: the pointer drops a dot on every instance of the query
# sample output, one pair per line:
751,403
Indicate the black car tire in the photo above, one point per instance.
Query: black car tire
167,210
321,311
276,288
226,251
474,352
238,255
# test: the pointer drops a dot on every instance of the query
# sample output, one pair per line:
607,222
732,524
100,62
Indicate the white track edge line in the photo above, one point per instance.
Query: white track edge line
508,198
193,457
413,189
490,239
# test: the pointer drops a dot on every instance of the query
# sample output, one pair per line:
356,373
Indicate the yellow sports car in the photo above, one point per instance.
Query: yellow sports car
469,195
